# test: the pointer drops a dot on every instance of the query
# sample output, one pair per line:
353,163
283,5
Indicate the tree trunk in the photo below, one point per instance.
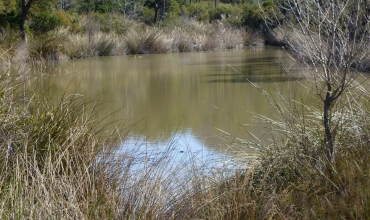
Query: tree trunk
328,132
164,10
25,7
21,27
155,15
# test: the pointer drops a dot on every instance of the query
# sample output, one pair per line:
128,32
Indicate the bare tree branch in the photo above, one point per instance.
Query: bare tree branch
331,39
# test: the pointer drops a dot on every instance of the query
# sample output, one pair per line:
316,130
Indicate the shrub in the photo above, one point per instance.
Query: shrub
10,20
227,13
44,22
200,11
147,15
148,40
252,16
49,46
173,13
104,44
68,20
78,46
64,18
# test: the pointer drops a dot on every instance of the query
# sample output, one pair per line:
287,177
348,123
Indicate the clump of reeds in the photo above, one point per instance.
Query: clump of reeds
195,36
183,42
78,46
144,40
49,46
105,44
49,156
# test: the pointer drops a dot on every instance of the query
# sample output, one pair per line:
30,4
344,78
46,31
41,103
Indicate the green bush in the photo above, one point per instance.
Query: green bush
44,22
147,15
221,12
200,11
173,13
10,19
68,20
184,11
64,18
119,23
252,16
227,13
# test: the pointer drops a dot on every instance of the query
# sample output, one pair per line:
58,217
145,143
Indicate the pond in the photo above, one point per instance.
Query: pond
202,103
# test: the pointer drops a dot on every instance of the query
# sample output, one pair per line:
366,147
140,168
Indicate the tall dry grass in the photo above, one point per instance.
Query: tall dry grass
189,36
196,36
12,48
145,40
48,156
63,43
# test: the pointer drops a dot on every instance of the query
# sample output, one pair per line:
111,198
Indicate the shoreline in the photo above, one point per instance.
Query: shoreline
62,44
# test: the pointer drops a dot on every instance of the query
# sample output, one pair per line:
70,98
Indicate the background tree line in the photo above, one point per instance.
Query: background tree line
40,16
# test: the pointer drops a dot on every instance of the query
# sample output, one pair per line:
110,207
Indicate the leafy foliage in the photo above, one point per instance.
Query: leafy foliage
44,22
7,6
10,19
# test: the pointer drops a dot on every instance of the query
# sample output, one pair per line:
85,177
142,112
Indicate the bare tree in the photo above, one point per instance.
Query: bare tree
331,38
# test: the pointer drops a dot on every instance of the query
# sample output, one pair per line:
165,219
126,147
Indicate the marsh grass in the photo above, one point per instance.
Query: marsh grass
48,155
196,36
147,40
105,44
49,46
79,46
12,48
63,43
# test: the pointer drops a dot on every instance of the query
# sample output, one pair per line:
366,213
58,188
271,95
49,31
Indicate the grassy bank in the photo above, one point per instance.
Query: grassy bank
190,35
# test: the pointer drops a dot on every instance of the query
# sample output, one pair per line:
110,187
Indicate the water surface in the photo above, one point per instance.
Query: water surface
201,102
